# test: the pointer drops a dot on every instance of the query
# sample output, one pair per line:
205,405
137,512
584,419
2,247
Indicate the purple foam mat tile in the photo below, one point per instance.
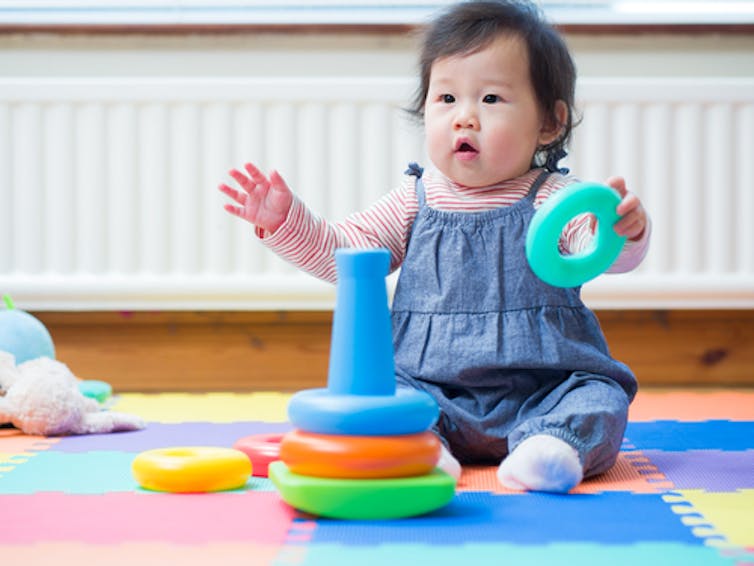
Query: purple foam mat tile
710,470
162,435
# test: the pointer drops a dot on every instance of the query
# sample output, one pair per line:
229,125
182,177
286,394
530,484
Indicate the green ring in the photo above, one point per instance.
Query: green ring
548,223
363,499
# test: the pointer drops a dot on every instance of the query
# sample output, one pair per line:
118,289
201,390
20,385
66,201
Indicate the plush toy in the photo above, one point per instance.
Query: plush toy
22,334
42,397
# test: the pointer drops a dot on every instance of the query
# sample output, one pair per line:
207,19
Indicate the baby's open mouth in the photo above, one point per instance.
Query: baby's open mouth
464,150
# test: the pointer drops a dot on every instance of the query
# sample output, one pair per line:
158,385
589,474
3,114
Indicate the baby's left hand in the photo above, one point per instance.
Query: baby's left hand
633,219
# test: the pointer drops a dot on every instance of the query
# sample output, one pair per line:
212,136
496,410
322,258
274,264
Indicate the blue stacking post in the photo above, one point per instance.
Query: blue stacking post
361,347
361,397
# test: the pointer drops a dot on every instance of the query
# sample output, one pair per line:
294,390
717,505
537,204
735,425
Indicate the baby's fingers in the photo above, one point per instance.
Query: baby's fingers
244,181
619,184
256,175
632,225
629,203
233,194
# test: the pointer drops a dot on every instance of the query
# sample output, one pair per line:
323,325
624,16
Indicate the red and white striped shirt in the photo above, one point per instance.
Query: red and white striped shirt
309,241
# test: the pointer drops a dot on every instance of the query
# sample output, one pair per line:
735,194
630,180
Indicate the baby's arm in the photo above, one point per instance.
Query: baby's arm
290,229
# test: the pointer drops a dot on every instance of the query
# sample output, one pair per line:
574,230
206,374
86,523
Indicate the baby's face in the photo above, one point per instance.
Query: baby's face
483,123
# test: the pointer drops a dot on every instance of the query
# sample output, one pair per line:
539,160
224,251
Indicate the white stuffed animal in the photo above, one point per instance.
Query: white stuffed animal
42,397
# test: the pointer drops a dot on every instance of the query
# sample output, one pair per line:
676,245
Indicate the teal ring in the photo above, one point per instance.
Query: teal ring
548,223
320,411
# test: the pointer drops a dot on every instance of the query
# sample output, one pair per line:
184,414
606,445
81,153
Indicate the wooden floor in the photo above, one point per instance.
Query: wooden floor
288,351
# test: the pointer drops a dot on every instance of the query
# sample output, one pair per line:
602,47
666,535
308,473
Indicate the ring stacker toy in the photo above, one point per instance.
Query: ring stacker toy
262,449
360,457
548,223
348,459
361,398
191,469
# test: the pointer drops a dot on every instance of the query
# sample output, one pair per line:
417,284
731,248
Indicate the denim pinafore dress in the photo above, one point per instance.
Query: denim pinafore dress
504,354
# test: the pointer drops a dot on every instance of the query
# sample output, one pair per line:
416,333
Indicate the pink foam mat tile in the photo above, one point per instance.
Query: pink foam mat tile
113,518
142,554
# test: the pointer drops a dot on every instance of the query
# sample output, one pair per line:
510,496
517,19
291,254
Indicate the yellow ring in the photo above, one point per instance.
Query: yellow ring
191,469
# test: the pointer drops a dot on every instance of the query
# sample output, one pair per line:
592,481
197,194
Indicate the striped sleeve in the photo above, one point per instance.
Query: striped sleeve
309,241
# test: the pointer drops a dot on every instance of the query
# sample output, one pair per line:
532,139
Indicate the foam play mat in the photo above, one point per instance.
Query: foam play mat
682,493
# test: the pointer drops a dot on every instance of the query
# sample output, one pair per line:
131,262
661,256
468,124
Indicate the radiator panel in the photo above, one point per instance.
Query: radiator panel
108,193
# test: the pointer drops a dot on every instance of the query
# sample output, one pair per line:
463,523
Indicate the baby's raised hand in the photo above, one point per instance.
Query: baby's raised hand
264,201
633,219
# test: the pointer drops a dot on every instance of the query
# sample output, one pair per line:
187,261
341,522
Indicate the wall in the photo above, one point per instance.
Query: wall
696,348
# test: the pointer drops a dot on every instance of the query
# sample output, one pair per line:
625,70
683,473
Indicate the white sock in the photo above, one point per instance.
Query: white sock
541,463
448,464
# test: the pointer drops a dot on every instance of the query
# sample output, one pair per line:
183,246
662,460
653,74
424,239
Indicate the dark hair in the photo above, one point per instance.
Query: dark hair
471,26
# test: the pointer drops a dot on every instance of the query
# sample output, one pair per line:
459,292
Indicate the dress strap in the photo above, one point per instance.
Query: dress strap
538,182
415,170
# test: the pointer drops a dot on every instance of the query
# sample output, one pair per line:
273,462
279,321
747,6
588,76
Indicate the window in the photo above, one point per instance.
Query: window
353,12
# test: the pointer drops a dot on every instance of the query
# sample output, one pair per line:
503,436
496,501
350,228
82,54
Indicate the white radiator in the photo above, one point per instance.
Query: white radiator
108,193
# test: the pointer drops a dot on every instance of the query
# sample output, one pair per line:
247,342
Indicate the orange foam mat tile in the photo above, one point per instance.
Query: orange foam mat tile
693,405
142,554
13,441
628,474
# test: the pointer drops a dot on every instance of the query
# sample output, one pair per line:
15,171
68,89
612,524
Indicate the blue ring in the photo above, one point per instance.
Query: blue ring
406,412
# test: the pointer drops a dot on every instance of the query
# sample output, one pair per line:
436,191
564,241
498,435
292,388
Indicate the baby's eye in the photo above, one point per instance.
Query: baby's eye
491,98
448,98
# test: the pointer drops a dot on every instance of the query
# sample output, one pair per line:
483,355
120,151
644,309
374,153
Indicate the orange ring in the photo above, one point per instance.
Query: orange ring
359,457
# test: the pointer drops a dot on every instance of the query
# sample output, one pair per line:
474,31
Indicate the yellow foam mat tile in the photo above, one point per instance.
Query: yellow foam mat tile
9,461
14,458
723,514
213,407
143,553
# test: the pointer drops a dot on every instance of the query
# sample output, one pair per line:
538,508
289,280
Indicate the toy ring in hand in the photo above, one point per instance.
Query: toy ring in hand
548,223
191,469
359,457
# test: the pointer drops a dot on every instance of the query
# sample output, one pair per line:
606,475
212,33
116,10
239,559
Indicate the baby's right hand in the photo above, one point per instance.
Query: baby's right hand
264,202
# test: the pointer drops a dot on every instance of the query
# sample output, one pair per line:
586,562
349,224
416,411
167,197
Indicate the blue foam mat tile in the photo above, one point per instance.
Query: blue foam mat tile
162,435
84,474
532,518
678,436
561,554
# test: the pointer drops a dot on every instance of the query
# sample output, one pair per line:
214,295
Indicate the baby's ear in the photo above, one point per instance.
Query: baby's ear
553,124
